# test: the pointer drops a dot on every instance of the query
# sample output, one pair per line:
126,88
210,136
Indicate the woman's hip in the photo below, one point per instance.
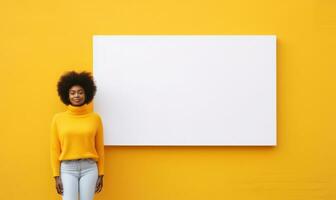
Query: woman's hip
78,165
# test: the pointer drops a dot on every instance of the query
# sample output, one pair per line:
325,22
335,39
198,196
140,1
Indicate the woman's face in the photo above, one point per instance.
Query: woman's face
77,95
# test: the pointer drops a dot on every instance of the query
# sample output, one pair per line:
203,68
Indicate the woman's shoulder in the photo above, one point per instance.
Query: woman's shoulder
96,114
97,117
55,117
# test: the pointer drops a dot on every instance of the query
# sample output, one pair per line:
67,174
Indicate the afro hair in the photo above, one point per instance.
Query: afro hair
71,78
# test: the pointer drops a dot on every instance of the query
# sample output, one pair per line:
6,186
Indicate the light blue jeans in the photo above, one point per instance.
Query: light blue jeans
79,178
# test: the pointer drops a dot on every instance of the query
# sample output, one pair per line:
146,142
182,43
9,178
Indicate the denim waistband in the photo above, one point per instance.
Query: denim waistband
79,159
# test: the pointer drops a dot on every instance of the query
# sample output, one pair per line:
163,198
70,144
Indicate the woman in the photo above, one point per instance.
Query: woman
77,141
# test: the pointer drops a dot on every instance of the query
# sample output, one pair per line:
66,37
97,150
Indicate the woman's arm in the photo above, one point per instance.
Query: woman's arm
99,140
55,148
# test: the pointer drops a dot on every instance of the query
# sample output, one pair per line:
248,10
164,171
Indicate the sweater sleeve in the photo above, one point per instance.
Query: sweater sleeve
99,142
55,148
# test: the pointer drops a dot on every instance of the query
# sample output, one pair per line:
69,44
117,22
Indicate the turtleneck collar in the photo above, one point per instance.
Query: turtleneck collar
78,110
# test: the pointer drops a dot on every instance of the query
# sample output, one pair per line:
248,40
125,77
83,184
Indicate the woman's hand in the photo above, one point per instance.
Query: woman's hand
99,184
59,185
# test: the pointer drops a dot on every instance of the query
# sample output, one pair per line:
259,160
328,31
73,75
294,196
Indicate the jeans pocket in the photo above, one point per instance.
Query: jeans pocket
67,165
67,162
92,161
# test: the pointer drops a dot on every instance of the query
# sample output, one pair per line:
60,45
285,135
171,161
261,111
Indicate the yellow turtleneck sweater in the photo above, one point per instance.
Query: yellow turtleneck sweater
76,133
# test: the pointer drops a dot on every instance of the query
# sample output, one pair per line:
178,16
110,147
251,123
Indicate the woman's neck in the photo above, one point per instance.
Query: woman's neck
78,110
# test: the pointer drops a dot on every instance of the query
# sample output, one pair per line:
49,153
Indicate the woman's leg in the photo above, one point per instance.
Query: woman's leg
88,180
69,177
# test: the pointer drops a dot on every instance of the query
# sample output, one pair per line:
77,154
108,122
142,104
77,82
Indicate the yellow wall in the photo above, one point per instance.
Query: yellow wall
41,39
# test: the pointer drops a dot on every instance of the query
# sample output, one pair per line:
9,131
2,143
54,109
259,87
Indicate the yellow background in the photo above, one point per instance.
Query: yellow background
39,40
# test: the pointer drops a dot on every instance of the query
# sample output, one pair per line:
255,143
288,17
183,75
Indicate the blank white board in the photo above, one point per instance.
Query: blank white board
186,90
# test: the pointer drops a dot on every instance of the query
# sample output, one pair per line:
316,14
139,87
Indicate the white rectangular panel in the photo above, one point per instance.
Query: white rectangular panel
186,90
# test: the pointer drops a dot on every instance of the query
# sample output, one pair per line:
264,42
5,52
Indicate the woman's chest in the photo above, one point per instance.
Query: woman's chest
77,127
